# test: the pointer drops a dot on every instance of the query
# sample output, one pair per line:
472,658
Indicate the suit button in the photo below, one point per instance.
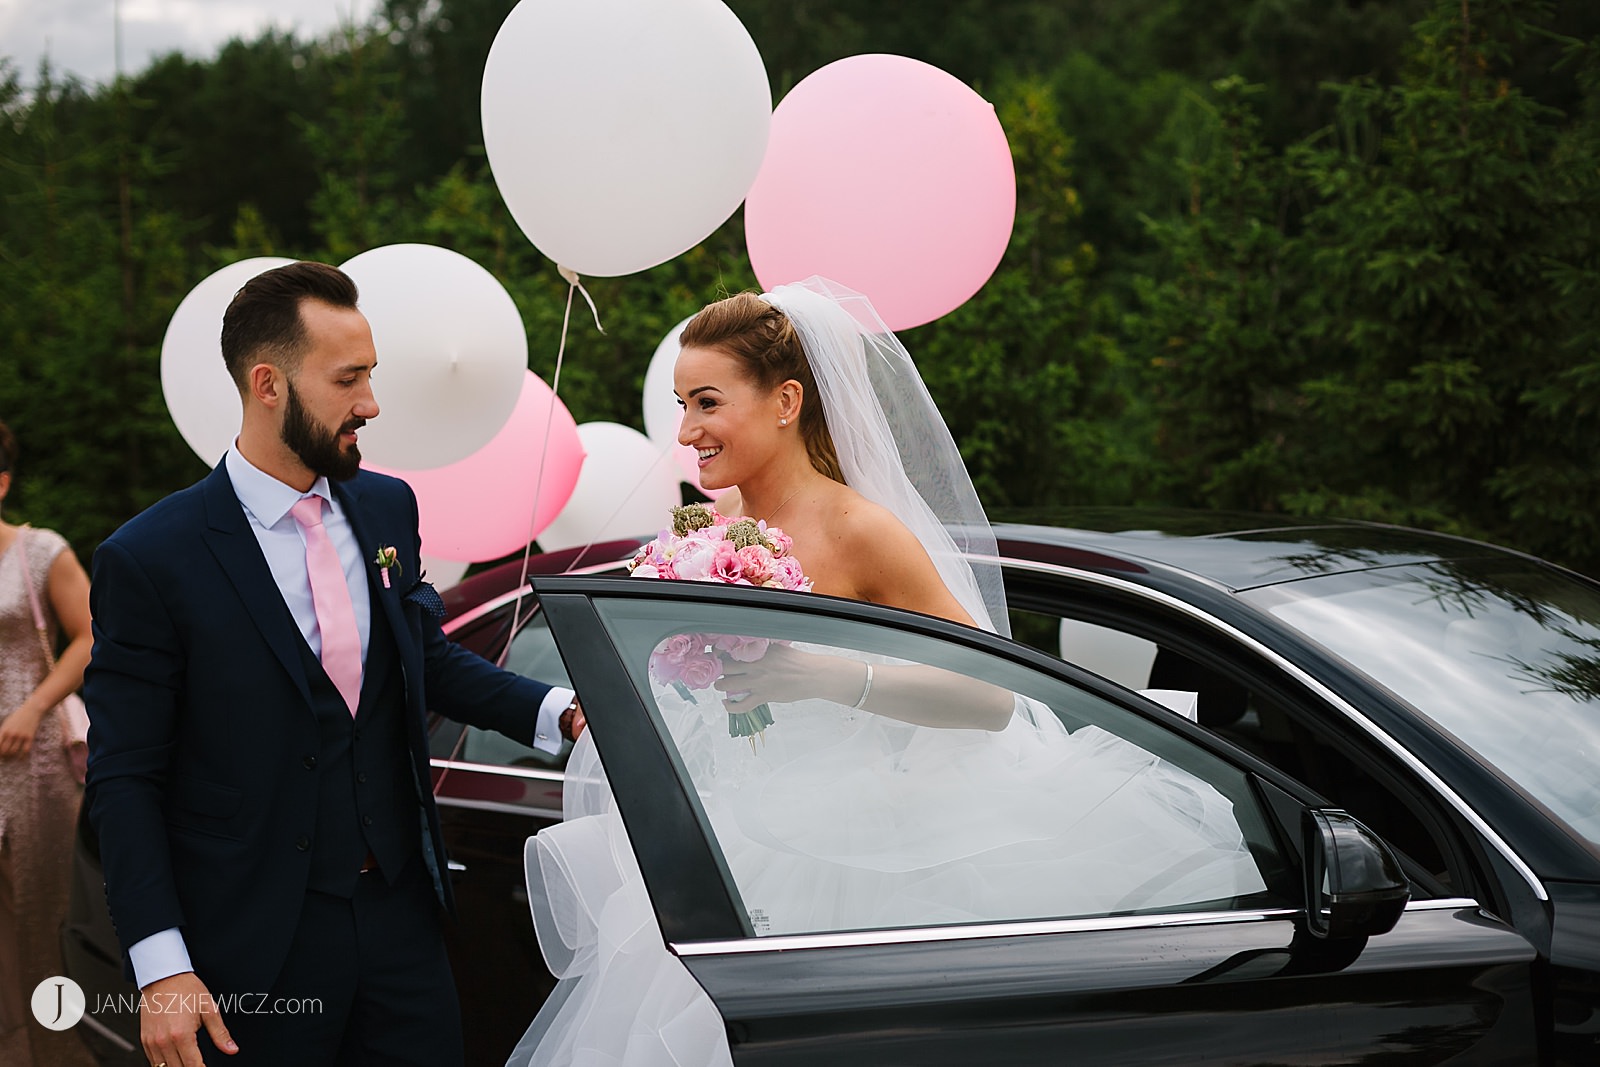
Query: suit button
310,762
366,820
361,778
303,843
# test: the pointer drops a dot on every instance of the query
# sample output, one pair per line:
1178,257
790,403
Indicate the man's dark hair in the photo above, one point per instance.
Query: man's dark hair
263,320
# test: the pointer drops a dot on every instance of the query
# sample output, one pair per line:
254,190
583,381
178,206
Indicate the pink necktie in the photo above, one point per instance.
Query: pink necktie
336,616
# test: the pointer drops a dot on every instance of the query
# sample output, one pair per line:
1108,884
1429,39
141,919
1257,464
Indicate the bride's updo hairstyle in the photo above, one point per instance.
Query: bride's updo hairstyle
764,341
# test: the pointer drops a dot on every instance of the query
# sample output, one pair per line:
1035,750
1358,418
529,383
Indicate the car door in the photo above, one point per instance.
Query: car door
1072,968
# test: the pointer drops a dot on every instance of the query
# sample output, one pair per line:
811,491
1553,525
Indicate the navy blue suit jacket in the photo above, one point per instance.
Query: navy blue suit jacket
200,787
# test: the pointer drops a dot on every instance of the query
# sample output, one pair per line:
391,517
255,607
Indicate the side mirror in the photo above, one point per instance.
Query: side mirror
1354,886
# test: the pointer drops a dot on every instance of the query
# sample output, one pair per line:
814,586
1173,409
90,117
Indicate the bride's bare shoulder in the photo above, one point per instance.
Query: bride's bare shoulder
867,527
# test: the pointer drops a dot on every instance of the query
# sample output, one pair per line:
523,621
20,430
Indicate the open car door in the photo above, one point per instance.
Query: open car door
835,889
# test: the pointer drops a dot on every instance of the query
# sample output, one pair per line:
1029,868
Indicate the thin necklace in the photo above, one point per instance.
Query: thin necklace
786,500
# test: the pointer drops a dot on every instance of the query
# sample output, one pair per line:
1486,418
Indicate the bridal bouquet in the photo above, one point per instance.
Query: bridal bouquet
705,546
694,661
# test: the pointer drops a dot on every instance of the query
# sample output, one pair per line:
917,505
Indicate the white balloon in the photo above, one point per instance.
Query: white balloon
662,412
452,354
627,487
623,132
200,394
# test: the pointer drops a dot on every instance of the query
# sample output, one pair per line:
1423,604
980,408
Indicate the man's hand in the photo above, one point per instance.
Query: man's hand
572,721
171,1010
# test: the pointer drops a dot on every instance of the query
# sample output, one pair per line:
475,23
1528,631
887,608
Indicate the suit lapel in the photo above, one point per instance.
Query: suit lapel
233,543
352,499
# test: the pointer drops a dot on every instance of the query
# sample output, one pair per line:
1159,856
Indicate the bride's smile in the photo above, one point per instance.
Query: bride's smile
736,427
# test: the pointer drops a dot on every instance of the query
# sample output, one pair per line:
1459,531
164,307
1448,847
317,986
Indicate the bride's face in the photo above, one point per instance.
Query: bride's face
727,418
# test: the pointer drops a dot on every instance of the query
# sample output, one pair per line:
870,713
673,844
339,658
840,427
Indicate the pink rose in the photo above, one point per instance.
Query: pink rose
743,649
756,563
694,560
667,661
700,670
787,572
646,570
727,567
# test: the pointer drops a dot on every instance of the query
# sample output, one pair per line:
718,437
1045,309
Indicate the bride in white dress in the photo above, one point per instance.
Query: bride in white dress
874,803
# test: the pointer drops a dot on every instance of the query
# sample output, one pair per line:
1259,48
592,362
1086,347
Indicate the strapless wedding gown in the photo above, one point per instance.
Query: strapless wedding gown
838,819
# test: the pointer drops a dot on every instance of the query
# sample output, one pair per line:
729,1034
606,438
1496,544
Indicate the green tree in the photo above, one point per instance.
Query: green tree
1215,332
1431,242
1551,485
90,276
355,143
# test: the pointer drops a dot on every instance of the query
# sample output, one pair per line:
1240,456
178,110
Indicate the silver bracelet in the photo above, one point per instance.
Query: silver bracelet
861,701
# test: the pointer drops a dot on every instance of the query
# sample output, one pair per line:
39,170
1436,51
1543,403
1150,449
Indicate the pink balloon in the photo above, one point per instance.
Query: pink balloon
890,176
482,507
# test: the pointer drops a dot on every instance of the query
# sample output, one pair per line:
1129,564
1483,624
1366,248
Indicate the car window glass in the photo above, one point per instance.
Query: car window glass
1232,704
1013,796
1502,653
533,655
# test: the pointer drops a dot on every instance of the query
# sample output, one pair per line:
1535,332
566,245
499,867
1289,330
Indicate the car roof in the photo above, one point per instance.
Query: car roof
1234,550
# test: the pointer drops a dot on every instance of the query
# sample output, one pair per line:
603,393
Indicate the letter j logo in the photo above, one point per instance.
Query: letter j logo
58,1003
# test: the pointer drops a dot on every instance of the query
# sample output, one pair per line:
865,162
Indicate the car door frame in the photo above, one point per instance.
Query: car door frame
1215,624
1013,989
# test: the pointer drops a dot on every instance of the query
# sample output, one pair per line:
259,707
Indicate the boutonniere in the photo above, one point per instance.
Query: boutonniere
387,557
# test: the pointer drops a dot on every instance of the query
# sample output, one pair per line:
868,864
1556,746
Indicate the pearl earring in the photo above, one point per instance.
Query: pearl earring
783,422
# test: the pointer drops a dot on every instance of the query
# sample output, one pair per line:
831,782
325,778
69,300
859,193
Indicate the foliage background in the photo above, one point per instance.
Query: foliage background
1307,256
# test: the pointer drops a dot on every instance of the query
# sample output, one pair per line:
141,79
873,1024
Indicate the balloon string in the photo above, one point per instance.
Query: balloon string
572,280
624,498
544,449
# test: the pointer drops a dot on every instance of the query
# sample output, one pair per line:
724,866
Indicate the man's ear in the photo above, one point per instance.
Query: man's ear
266,385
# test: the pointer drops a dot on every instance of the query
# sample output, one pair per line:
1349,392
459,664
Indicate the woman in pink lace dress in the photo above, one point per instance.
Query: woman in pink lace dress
39,792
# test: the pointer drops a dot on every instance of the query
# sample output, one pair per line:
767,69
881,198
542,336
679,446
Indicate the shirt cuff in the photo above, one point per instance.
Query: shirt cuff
161,955
547,730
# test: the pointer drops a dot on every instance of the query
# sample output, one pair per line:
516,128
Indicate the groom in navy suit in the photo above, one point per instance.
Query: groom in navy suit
265,655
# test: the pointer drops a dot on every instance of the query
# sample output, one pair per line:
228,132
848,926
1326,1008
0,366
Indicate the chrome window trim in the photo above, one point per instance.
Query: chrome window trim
974,932
447,801
1443,904
438,763
1394,747
1024,928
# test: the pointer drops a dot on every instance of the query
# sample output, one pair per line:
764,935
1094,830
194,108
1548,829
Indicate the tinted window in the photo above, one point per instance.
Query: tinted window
1262,714
1504,654
972,789
533,655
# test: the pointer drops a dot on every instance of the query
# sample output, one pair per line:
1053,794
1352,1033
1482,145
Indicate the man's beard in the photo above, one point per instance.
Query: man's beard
317,448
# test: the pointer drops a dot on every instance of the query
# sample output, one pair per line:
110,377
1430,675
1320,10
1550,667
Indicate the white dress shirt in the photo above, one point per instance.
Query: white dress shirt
266,502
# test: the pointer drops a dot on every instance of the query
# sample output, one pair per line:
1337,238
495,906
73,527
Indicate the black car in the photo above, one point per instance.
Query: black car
1406,725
